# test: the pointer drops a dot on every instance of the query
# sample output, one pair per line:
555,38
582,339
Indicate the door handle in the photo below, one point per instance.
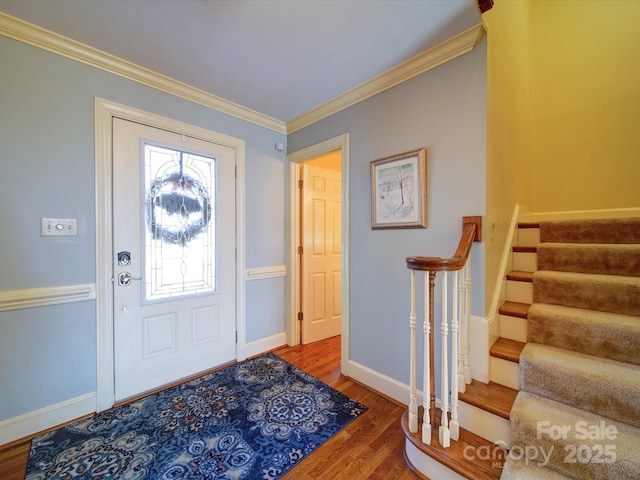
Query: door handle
124,279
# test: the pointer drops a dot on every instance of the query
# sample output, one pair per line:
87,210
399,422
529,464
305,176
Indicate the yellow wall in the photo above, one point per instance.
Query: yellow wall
586,84
332,161
563,111
509,126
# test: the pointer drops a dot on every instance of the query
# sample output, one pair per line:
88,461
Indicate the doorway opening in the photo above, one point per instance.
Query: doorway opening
329,152
320,248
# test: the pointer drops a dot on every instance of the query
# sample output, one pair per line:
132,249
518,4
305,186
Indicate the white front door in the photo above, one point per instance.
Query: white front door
173,256
321,257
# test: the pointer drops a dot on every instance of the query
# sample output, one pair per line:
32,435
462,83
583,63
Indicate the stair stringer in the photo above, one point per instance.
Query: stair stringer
500,290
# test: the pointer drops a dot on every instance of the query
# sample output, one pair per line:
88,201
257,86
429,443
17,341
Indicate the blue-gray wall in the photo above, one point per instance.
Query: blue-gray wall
48,354
443,110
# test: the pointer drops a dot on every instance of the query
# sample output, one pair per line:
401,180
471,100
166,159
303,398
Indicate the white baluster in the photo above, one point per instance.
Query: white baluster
443,431
467,357
426,382
413,403
463,335
455,425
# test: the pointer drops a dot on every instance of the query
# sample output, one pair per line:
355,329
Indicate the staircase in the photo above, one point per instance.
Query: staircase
564,396
578,410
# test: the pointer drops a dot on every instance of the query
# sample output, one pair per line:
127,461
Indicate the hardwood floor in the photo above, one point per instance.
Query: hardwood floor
371,447
13,461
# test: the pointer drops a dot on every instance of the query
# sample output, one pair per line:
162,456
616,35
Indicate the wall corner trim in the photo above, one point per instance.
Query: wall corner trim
379,382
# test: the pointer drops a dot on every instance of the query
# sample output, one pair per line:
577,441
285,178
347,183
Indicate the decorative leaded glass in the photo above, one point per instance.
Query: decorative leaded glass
180,223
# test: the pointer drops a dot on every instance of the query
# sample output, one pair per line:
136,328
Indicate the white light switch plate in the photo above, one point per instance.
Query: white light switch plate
58,227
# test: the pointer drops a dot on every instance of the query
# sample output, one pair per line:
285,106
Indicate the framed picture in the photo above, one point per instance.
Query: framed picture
399,191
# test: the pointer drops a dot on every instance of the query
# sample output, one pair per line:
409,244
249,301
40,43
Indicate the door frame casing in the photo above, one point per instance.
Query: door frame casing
104,112
294,159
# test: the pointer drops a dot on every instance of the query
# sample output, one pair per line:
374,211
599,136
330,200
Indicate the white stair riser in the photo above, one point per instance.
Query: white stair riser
505,372
525,261
521,292
514,328
427,465
528,237
485,424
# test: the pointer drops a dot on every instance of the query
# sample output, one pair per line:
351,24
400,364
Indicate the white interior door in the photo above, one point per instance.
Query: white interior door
321,257
174,256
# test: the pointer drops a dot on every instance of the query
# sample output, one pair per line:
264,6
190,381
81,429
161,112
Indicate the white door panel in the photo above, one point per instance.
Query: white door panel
174,214
321,258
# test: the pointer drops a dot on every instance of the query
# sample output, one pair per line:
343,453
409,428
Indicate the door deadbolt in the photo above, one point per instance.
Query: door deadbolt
124,258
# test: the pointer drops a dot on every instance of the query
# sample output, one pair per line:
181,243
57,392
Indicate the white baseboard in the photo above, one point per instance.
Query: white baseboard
400,391
48,417
379,382
39,420
265,344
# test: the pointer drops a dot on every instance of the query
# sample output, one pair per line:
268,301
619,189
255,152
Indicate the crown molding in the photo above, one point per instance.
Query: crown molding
445,51
33,35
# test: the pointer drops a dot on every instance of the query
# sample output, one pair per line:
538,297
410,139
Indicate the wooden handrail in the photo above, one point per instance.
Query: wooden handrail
471,232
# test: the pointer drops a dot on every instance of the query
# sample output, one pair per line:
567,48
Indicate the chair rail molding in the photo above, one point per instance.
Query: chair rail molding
44,296
266,272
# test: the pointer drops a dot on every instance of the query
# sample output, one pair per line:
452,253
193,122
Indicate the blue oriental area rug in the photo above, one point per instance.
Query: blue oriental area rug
253,420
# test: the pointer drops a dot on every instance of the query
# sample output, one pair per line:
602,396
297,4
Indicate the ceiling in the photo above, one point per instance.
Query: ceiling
281,58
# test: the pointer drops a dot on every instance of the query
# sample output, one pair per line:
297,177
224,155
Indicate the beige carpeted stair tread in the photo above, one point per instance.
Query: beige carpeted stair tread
532,418
603,334
605,259
521,469
619,230
608,293
601,386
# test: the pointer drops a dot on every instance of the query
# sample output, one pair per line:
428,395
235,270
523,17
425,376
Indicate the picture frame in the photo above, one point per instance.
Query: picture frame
399,191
